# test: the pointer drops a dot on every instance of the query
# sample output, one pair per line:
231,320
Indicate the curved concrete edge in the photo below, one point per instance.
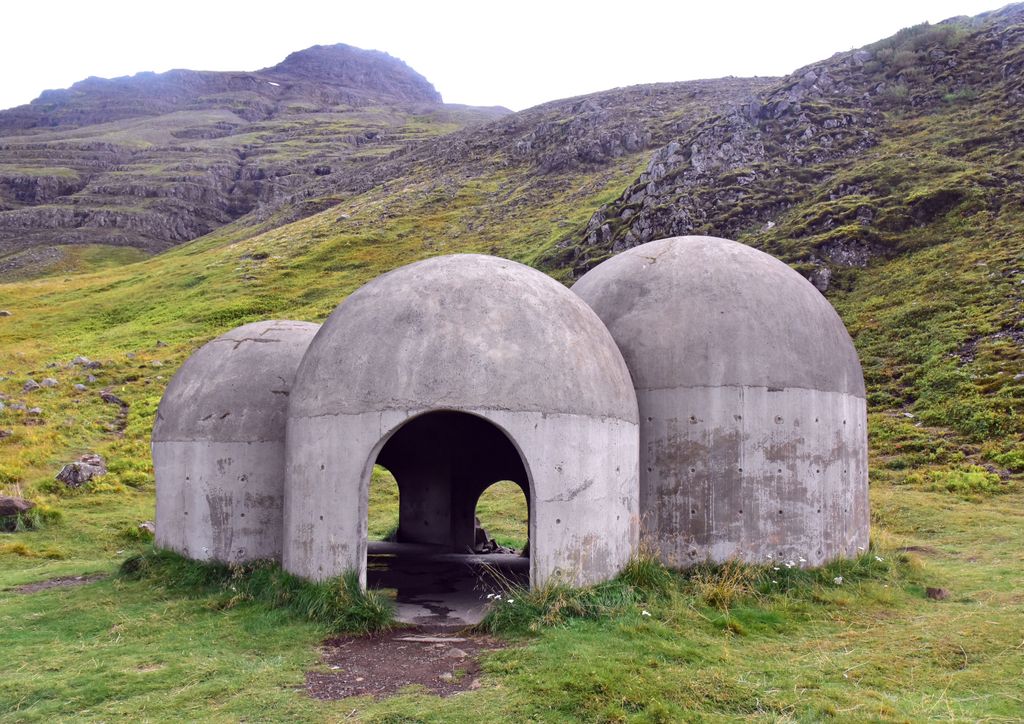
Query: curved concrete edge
753,473
584,522
219,501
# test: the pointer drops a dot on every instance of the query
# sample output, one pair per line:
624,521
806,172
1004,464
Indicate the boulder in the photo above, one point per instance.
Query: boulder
80,472
112,399
14,506
31,386
49,382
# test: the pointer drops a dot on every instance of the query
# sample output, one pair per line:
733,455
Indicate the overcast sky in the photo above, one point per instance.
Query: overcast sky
516,53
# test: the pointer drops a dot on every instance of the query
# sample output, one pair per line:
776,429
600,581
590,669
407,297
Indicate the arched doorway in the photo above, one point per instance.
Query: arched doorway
436,561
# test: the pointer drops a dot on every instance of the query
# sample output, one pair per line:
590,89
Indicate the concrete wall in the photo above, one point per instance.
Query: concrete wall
583,490
748,472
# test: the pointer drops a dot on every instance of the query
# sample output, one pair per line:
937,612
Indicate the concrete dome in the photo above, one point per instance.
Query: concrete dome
697,310
751,397
464,331
218,443
489,338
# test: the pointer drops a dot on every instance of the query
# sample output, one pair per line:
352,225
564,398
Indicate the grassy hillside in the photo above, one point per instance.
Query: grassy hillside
935,311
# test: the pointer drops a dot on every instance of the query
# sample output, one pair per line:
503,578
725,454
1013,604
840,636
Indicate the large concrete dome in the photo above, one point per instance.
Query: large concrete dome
752,405
490,339
218,444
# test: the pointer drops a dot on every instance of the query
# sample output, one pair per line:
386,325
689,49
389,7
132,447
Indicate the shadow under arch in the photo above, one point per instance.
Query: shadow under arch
443,461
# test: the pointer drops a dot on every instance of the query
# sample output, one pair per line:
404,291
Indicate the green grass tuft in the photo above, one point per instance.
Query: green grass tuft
340,604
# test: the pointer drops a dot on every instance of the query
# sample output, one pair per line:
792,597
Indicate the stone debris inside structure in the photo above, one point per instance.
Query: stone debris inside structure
692,395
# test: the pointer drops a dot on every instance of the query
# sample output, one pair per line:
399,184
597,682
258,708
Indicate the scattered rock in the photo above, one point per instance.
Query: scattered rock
92,365
937,594
130,355
19,406
31,386
80,360
111,398
91,379
5,313
161,343
77,474
34,411
156,363
454,653
148,526
13,506
80,387
49,382
483,543
5,433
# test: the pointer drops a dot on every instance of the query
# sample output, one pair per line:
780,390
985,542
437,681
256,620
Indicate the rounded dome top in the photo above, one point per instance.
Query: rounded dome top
695,311
463,332
235,388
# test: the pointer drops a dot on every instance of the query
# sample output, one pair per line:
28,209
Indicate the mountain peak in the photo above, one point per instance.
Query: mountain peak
350,67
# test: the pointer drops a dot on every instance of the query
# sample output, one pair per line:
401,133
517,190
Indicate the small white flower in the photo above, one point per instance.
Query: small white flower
879,559
860,548
803,560
490,596
776,568
511,600
790,564
645,613
838,580
774,581
769,556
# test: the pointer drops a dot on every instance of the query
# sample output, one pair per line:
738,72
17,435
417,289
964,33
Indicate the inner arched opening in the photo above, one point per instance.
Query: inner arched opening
432,551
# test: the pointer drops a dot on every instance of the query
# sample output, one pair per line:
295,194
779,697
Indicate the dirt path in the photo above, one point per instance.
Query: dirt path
58,582
381,664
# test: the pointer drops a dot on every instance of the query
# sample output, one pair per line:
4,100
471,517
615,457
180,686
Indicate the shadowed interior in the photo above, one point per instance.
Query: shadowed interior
443,462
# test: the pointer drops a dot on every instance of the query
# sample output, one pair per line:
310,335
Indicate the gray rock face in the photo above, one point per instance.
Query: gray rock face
218,444
753,430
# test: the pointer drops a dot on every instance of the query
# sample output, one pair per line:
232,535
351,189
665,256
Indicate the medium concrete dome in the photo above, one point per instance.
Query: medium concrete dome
468,336
464,331
751,397
218,444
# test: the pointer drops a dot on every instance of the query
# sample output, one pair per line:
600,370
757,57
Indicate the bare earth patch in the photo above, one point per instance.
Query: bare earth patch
382,664
59,581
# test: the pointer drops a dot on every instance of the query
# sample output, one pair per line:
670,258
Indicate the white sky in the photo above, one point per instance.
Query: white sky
515,53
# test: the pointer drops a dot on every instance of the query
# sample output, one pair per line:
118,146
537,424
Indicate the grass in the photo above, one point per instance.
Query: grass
340,604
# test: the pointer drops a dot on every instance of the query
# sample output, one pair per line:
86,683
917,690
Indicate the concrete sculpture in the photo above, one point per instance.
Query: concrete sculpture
693,393
218,444
458,372
753,423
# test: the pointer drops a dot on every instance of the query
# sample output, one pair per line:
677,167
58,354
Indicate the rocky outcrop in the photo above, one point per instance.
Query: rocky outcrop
737,174
153,160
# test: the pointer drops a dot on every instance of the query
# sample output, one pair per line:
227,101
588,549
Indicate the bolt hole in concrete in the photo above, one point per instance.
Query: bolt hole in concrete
448,519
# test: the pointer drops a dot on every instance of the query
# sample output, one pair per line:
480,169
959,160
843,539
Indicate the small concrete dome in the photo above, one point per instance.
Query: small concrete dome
752,404
218,444
495,340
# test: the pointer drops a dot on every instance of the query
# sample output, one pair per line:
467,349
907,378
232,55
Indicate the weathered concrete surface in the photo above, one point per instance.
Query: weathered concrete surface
752,407
218,444
485,337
